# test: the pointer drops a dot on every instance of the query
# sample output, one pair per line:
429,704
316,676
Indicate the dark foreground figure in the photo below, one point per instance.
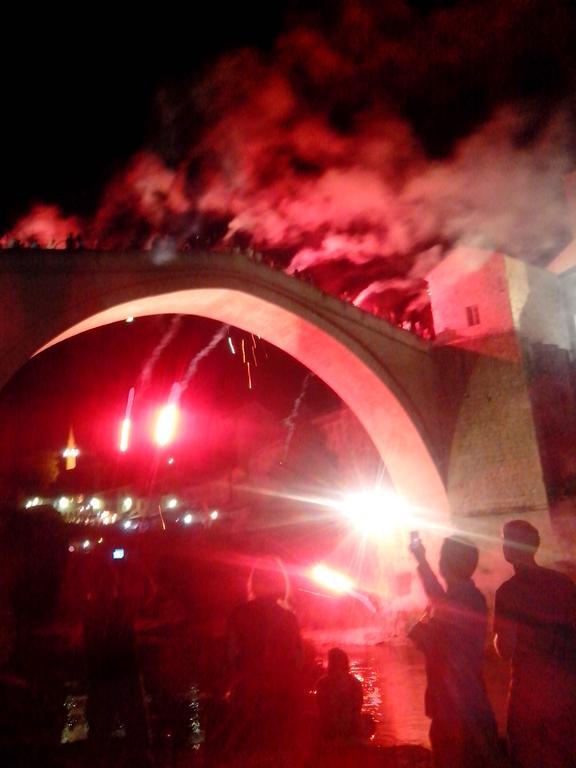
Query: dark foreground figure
115,694
265,652
535,613
339,695
451,635
32,561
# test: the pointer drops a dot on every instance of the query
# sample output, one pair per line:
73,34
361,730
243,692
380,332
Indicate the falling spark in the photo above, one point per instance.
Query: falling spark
126,422
193,365
254,351
167,420
161,346
243,352
125,434
290,421
249,376
231,345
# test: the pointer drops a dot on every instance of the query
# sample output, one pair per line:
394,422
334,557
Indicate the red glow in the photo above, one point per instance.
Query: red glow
166,424
331,579
126,425
45,224
125,434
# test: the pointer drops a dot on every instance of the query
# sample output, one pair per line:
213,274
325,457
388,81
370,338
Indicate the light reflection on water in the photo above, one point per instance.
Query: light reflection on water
394,683
394,680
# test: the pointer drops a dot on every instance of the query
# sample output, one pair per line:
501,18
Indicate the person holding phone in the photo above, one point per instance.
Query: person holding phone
451,635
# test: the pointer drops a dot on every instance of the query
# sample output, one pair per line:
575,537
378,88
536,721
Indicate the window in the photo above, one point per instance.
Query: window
473,315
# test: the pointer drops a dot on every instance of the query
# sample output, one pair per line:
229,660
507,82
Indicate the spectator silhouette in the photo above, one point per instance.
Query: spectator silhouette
339,697
451,635
33,560
534,629
265,652
114,686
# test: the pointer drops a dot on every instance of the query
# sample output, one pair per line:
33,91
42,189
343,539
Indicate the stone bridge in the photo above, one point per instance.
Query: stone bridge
452,420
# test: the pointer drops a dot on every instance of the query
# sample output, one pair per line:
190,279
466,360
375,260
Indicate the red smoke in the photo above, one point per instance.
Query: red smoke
360,151
45,225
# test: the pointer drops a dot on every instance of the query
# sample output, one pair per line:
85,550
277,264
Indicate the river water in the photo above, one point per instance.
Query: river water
394,680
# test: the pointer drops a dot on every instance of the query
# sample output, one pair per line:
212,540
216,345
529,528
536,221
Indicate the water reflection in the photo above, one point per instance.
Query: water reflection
394,680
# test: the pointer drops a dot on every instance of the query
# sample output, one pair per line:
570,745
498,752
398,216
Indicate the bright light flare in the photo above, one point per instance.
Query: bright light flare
125,429
214,514
172,503
126,424
377,514
166,424
188,519
331,579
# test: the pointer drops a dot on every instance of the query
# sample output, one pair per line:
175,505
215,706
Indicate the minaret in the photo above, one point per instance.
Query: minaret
71,451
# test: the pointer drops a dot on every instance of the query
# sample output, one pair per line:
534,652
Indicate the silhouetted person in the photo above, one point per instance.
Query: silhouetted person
534,619
112,670
33,554
265,651
462,728
339,697
70,242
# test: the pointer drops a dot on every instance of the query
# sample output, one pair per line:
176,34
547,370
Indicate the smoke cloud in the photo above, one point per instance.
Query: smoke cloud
364,146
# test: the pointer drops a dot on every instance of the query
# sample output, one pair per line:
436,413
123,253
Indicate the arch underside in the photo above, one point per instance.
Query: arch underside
387,422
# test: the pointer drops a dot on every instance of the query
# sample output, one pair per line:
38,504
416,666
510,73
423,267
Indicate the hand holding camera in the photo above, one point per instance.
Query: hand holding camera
416,547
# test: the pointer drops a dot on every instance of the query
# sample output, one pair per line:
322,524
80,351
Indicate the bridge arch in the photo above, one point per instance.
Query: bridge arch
328,337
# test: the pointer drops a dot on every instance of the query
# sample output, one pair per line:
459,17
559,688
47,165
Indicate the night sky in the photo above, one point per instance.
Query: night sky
83,94
80,94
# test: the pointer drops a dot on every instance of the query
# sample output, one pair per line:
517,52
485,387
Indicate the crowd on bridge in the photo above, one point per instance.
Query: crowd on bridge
265,713
417,321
